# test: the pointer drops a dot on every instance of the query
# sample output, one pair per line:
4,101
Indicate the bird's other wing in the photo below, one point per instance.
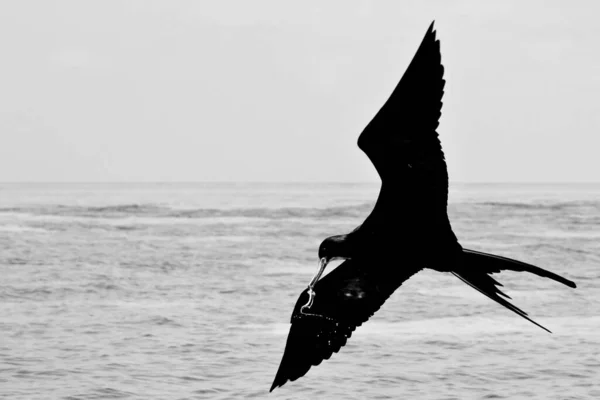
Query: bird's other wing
401,140
346,298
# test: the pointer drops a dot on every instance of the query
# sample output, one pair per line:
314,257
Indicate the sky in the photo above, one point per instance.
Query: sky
261,91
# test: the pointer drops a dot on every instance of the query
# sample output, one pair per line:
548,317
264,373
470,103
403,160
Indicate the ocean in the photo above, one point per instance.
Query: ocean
185,291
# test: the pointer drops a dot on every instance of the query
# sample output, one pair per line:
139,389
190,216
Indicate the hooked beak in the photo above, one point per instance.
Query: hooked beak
322,264
311,293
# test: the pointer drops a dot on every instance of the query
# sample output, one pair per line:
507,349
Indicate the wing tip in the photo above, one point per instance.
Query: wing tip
569,283
432,31
278,382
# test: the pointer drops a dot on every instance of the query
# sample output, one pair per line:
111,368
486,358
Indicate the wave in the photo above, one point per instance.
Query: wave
276,213
158,211
351,211
541,205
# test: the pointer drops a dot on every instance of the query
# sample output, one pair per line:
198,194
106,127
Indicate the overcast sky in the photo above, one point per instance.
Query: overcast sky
280,90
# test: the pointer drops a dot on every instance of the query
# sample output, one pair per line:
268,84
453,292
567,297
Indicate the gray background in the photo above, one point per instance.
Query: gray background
279,90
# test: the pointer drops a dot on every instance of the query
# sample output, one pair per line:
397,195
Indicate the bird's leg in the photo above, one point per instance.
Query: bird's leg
311,285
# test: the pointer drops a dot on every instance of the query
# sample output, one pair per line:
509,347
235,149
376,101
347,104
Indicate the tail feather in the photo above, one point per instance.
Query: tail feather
499,299
478,266
495,264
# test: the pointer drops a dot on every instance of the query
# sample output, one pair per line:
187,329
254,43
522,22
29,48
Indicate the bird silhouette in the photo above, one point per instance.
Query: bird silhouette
408,229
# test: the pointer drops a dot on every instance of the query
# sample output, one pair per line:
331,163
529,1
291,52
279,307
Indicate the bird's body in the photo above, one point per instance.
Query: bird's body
407,231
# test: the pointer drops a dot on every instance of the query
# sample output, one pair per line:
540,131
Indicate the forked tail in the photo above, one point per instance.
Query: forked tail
477,269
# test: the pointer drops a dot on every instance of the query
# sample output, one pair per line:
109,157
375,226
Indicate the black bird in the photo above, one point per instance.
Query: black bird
408,229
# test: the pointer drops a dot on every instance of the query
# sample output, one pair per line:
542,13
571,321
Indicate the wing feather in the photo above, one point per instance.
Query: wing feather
401,140
345,299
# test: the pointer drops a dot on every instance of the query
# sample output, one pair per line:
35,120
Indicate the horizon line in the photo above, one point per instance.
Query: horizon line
294,182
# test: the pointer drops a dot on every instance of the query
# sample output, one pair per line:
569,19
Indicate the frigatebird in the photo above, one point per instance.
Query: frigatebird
408,229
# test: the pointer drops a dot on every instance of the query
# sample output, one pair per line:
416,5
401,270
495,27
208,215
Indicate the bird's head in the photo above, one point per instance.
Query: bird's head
334,247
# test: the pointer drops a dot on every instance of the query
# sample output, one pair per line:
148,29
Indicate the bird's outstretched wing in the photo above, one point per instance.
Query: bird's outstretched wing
401,140
346,298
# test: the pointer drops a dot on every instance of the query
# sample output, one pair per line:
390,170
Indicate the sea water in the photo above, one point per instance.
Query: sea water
184,291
